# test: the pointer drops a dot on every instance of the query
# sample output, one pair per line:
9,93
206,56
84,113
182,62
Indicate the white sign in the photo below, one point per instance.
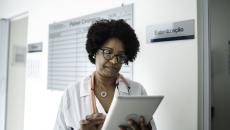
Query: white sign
35,47
172,31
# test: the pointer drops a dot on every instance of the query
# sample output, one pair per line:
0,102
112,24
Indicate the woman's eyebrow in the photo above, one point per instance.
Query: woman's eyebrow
107,48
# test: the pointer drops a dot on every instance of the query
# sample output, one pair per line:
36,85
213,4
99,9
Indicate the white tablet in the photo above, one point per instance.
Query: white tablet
126,107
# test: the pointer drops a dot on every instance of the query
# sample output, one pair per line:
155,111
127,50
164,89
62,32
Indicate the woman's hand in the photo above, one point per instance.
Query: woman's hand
133,125
92,122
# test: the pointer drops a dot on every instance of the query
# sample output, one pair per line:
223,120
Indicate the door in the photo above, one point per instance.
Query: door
220,63
16,73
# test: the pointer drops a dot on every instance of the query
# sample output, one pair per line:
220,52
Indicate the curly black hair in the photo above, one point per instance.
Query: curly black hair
104,29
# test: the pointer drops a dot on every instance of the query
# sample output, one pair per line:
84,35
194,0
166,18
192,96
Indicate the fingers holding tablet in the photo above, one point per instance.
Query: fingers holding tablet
133,124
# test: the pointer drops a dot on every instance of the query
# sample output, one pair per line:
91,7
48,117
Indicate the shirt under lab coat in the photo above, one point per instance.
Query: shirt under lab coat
76,102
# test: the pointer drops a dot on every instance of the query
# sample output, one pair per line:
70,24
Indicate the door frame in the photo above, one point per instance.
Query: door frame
204,66
4,69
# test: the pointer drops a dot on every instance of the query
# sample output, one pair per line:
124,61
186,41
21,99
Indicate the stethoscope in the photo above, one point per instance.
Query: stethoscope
92,95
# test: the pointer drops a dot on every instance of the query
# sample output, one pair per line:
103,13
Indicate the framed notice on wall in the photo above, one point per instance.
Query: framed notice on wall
67,58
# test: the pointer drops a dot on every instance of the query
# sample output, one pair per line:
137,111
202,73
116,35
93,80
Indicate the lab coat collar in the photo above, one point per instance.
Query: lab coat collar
122,87
85,87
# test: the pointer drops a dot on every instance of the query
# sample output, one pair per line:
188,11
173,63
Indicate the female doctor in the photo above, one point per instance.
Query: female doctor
110,44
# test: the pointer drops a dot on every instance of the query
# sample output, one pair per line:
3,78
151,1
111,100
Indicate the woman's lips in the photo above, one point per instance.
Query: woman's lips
111,69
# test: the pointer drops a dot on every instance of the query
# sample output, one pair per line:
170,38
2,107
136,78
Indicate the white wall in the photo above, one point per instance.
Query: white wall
167,68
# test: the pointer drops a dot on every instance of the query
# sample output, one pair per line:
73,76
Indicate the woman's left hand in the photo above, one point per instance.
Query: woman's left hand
133,125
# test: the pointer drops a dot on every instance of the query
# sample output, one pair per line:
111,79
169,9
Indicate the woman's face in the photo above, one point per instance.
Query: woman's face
107,58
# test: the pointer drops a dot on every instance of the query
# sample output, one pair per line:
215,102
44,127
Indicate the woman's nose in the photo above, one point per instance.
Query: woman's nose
114,60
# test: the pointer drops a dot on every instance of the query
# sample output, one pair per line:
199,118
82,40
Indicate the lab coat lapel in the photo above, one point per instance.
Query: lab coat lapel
85,87
122,88
100,108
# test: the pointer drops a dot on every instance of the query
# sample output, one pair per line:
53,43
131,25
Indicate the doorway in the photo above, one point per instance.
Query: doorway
220,63
214,64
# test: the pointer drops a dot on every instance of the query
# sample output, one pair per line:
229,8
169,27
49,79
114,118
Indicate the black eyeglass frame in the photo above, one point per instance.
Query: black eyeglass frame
121,59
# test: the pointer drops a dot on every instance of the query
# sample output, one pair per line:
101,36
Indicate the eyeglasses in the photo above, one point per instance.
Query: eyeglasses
108,55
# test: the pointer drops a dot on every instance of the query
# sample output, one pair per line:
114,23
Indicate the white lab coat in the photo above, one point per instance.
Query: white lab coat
75,103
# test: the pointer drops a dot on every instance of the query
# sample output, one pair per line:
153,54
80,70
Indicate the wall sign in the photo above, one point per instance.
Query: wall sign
19,55
169,32
35,47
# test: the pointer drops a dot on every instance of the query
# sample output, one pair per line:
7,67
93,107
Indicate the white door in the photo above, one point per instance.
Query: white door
16,73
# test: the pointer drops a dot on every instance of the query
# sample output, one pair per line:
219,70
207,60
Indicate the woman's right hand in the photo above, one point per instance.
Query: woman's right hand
92,122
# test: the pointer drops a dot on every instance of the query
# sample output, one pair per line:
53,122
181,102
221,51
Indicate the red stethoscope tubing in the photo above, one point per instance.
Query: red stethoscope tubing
92,95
